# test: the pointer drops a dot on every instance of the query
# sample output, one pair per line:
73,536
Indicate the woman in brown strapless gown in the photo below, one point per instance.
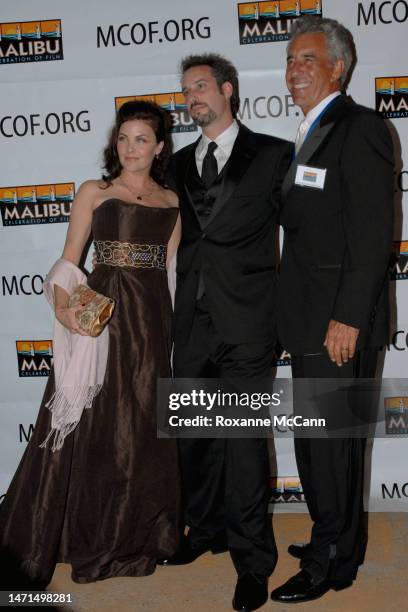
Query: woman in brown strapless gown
108,501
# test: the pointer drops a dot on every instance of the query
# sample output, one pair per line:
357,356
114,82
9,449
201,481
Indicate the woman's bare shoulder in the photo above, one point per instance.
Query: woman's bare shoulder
92,187
170,197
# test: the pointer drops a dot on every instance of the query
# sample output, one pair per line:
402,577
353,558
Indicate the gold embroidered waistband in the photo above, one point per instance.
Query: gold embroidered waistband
115,253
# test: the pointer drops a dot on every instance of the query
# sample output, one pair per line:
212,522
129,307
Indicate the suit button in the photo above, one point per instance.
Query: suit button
203,235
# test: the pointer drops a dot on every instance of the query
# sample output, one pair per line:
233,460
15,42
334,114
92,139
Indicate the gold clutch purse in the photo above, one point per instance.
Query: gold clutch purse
97,312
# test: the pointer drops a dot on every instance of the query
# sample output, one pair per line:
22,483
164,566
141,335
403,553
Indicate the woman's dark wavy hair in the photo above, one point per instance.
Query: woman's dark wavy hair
160,122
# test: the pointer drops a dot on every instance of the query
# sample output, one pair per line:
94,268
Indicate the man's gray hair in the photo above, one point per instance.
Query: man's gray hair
340,42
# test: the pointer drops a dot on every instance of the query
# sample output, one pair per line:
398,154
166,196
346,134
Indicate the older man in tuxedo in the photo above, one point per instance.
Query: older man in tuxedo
229,185
333,305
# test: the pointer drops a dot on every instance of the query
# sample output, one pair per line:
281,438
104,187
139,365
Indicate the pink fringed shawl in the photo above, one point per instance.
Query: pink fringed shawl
79,361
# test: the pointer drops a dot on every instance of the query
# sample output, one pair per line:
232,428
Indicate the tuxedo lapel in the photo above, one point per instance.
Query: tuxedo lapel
308,149
314,141
190,177
289,178
311,145
242,154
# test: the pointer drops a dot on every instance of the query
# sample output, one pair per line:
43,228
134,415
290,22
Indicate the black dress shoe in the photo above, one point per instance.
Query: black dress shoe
298,550
300,588
187,554
251,592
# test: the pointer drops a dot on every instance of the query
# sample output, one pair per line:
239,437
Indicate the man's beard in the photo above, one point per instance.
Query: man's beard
202,120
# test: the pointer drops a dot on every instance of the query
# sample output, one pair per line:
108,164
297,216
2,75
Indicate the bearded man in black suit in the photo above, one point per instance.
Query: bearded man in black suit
333,305
229,185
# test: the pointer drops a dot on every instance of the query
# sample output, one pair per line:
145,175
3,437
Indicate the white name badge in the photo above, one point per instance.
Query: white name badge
306,176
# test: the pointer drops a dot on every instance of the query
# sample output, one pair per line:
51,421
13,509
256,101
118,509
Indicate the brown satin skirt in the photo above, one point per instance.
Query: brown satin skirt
108,501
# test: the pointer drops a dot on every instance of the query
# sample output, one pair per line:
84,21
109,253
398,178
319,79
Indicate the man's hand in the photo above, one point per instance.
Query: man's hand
340,341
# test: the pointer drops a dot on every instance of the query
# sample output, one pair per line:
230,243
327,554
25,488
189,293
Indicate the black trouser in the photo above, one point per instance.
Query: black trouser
331,471
226,481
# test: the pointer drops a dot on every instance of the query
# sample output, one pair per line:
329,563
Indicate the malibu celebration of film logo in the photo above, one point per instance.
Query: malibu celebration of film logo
34,357
263,22
399,267
30,41
287,489
391,97
172,102
33,204
396,415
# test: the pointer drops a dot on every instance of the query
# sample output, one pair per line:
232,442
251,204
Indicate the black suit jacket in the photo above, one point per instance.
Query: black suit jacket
338,239
234,248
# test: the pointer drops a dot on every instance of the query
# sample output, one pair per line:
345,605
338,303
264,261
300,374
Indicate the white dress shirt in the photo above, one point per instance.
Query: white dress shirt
311,116
225,142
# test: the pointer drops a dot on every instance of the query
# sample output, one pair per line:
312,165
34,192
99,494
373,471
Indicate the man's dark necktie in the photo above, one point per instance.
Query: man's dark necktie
210,168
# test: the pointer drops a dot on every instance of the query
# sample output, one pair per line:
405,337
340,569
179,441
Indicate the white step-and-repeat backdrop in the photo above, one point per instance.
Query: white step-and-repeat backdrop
63,66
